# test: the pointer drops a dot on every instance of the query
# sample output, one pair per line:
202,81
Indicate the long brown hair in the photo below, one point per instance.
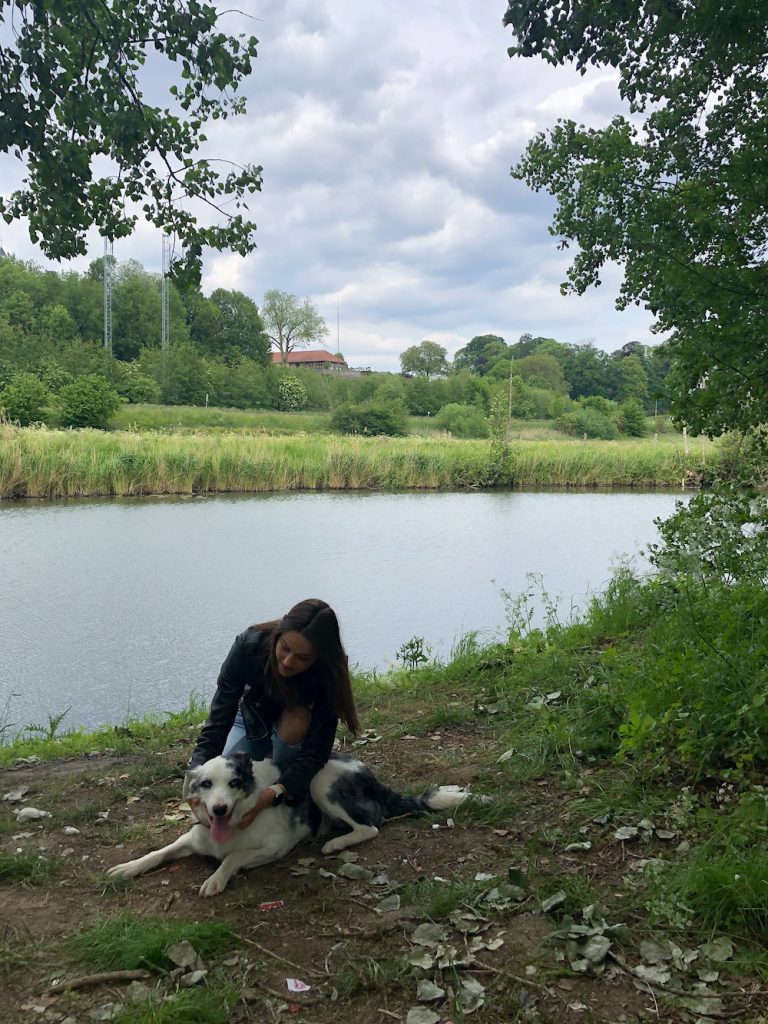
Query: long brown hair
316,621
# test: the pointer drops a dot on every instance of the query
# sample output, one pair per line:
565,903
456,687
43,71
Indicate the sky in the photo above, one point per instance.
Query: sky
386,133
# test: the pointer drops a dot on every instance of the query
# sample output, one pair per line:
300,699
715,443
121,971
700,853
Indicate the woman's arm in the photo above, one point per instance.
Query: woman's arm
232,679
316,748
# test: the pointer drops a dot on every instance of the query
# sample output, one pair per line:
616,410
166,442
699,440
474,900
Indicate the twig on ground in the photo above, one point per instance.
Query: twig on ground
276,956
98,979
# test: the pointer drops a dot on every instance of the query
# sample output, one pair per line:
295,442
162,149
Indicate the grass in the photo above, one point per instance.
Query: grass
201,1005
126,943
176,419
26,868
150,733
45,463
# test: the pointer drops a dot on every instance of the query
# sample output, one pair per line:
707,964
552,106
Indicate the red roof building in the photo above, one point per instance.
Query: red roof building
314,358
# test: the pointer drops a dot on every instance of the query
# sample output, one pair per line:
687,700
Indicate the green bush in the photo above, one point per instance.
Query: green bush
370,418
587,422
291,394
135,386
87,402
23,398
462,420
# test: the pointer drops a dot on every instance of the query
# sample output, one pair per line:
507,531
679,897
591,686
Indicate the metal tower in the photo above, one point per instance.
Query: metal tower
107,274
165,332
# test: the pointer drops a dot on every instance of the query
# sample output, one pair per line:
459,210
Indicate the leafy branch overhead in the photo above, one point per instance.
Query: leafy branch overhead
96,151
674,191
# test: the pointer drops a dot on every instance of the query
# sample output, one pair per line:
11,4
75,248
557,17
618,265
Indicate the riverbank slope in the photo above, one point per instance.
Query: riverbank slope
44,463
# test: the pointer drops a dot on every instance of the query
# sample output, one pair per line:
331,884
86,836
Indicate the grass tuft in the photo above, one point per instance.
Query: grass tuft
127,943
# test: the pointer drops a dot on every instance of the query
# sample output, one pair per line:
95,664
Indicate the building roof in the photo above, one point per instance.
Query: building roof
312,355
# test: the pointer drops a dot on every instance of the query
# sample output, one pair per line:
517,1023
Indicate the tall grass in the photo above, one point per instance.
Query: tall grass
45,463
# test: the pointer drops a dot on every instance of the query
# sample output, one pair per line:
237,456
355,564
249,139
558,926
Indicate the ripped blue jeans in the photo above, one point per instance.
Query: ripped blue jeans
260,747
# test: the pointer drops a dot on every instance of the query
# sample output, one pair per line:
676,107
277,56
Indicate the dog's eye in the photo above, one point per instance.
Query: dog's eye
205,784
235,784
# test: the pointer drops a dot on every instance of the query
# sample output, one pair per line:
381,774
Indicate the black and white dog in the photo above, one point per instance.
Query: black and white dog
345,793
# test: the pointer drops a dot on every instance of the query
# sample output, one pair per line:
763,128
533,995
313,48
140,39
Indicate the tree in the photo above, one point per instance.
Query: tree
676,193
425,360
480,354
290,322
71,96
240,325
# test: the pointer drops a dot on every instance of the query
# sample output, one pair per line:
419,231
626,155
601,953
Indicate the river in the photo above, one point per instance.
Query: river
116,607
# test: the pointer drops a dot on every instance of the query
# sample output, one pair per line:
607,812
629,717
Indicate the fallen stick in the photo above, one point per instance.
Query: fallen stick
98,979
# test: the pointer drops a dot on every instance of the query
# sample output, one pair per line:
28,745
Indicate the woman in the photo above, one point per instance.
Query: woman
280,694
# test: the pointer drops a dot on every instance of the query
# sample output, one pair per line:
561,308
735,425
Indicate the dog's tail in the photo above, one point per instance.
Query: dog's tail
438,798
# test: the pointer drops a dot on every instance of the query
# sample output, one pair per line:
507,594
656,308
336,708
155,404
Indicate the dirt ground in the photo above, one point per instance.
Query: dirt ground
328,932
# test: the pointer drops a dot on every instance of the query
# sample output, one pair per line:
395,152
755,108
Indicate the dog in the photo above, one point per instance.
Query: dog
344,794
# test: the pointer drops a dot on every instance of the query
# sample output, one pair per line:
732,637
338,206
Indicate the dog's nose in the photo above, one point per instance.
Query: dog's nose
220,810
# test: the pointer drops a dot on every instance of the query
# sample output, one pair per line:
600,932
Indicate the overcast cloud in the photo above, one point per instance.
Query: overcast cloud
386,133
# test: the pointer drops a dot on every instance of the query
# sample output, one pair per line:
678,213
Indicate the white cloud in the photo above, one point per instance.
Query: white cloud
386,134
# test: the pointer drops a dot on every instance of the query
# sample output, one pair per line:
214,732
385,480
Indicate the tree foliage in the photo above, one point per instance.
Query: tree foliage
97,152
676,190
425,360
290,322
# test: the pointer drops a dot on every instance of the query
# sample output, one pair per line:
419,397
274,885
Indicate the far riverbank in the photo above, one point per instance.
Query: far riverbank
49,463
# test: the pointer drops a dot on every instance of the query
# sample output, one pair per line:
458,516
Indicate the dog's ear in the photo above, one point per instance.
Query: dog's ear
243,763
190,782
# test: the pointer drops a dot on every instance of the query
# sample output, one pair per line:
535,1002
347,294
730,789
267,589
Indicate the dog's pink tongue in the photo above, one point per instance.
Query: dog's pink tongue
220,830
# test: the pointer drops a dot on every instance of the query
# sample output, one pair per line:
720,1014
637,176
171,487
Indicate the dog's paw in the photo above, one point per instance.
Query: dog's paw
333,846
128,870
214,885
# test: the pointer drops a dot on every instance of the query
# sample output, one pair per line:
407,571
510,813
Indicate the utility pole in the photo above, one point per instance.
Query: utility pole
107,275
165,326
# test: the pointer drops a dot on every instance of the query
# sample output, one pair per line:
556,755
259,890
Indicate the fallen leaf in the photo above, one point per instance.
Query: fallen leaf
427,991
14,795
428,935
422,1015
31,814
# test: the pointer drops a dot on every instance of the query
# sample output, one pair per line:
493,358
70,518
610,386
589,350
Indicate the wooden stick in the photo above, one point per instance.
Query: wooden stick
276,956
98,979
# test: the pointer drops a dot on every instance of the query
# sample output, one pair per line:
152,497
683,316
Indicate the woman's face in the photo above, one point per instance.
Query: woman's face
294,654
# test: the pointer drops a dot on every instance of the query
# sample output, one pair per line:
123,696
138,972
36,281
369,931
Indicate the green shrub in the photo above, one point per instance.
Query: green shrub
135,386
87,402
23,398
291,394
372,418
462,420
587,422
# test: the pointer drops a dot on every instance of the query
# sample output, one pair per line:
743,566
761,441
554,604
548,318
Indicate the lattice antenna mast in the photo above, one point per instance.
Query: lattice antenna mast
165,329
108,274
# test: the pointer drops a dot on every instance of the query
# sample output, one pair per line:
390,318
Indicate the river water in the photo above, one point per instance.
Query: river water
116,607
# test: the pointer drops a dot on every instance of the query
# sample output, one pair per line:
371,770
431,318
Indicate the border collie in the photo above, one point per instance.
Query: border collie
343,794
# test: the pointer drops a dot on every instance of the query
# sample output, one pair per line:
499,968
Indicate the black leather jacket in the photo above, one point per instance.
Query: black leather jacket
241,683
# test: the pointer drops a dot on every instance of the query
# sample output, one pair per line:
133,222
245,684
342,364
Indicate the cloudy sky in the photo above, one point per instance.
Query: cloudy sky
386,132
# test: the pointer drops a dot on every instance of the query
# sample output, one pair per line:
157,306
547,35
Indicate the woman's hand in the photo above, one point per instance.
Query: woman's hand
265,799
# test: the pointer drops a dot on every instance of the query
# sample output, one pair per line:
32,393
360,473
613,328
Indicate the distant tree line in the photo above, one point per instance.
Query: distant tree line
51,336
